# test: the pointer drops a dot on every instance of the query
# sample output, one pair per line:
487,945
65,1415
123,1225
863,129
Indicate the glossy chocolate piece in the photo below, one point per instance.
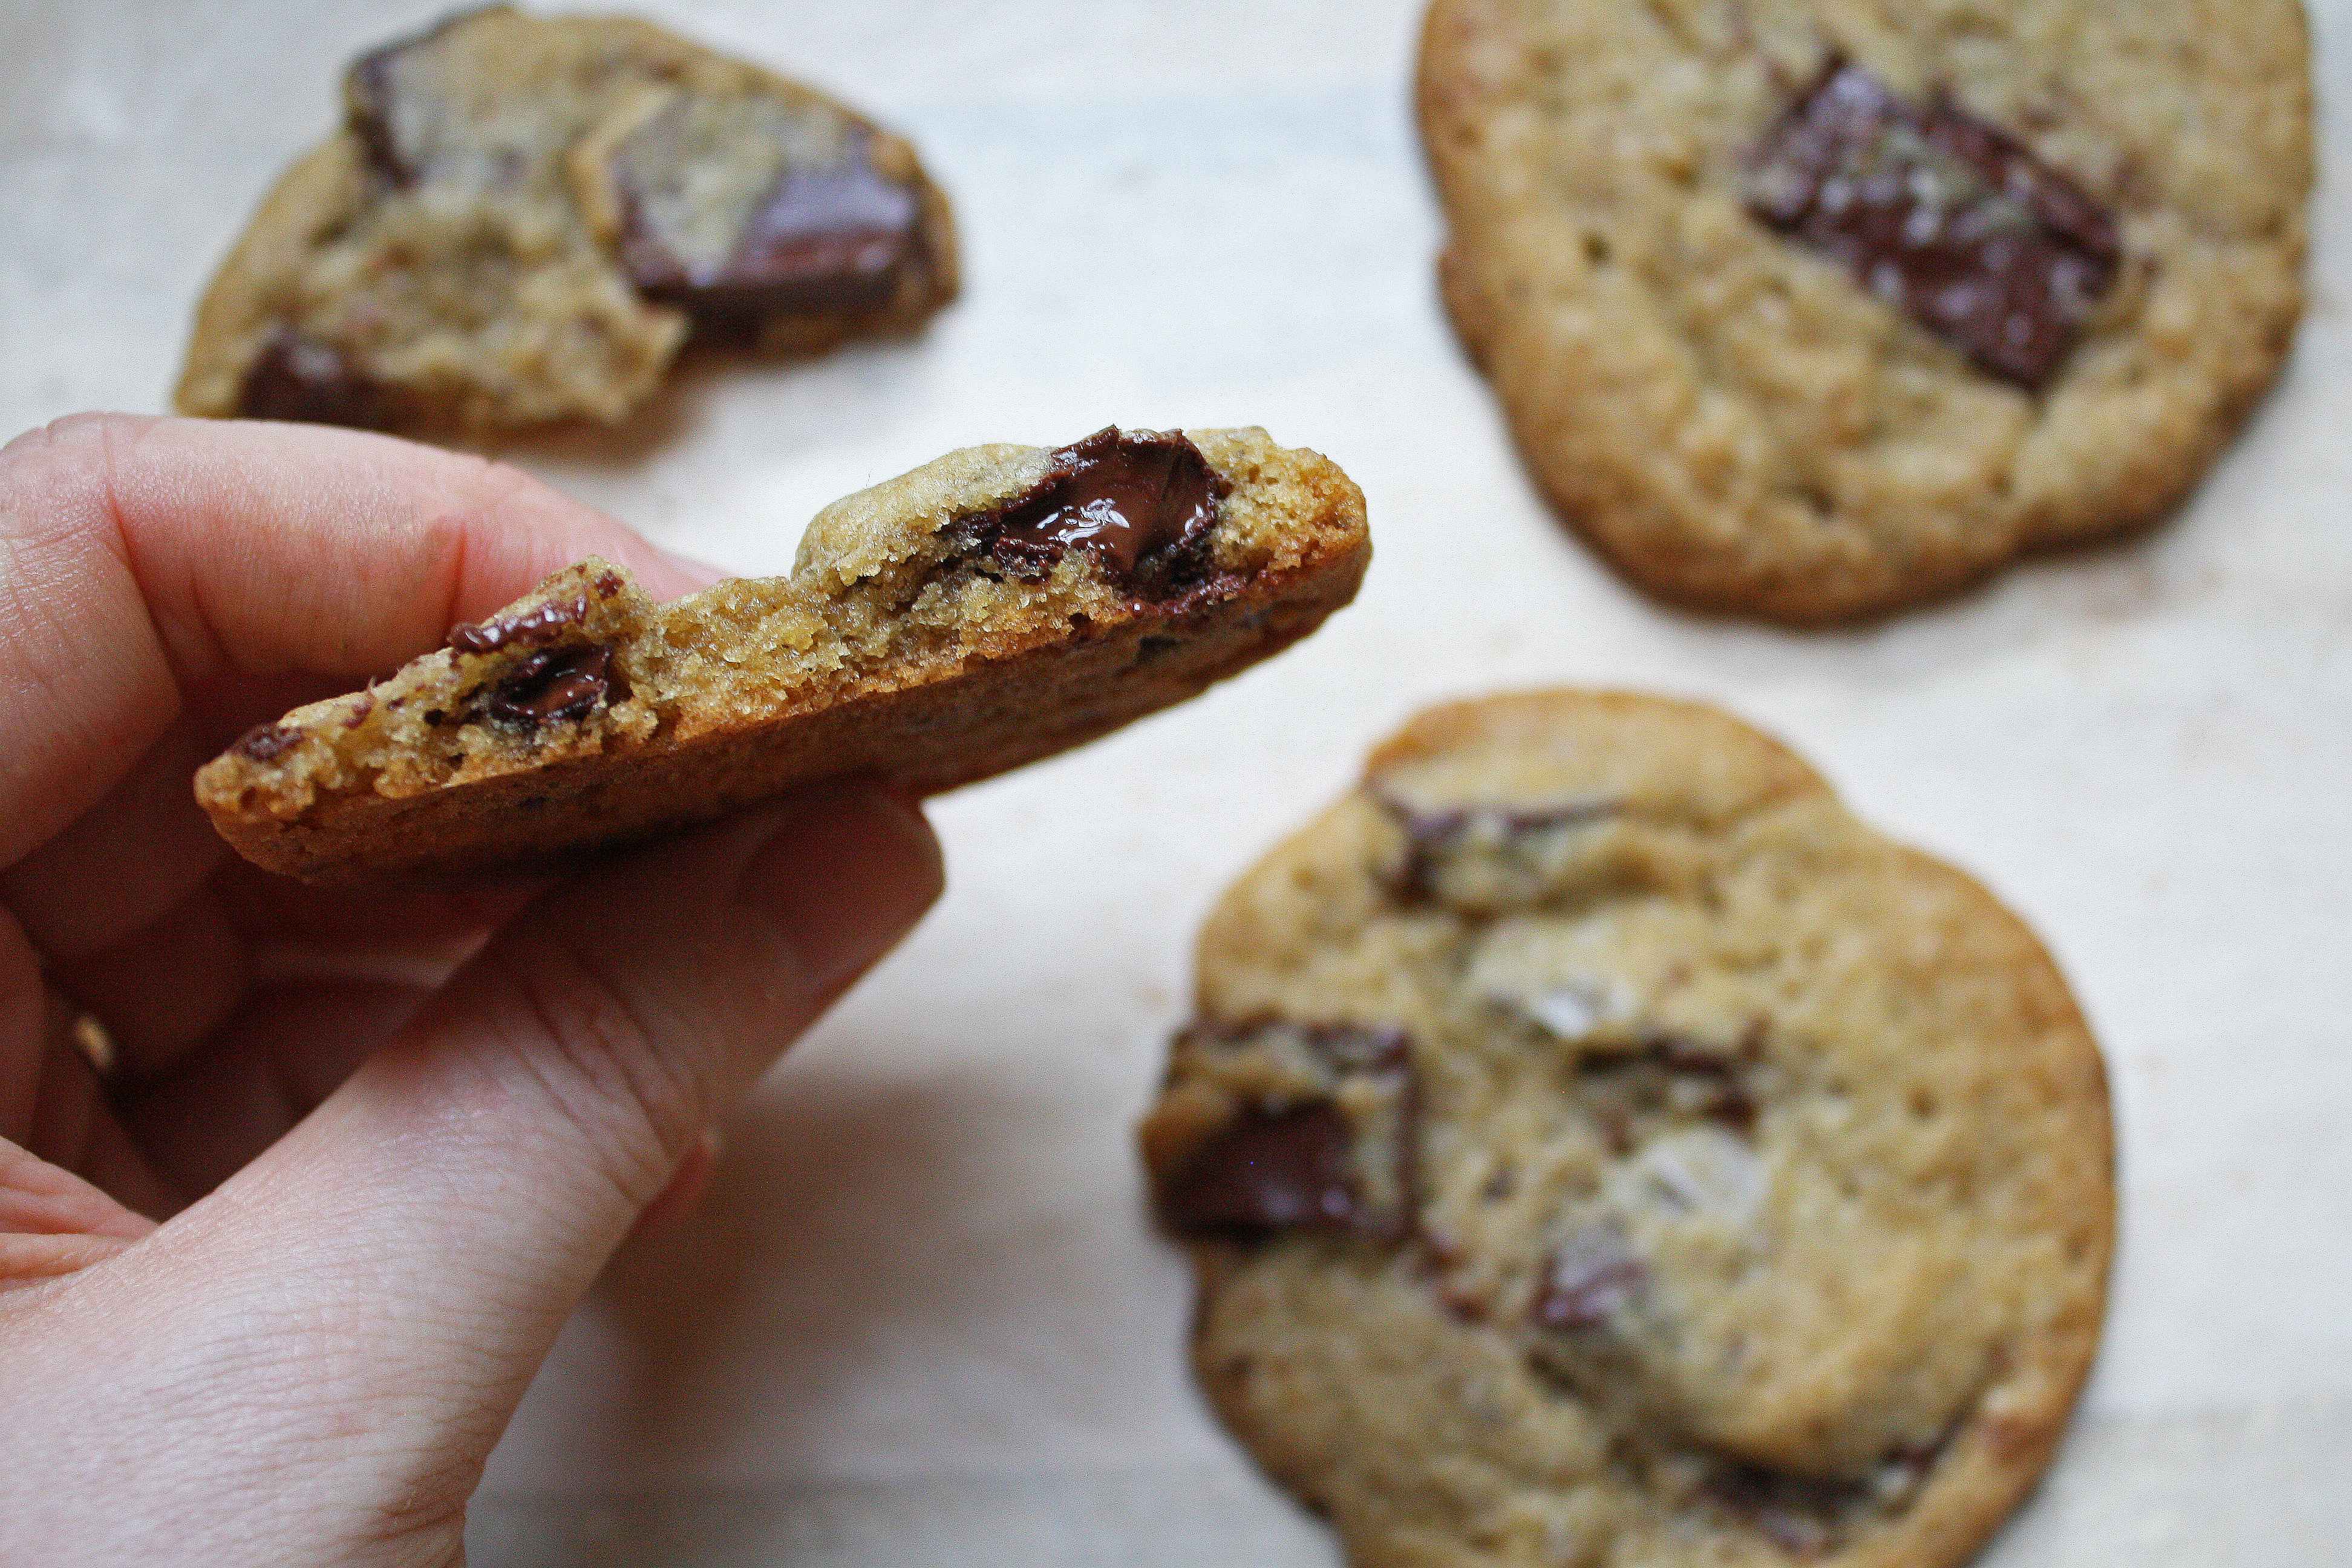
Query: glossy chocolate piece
1935,210
818,240
1140,503
267,742
1267,1171
297,377
534,628
1433,835
552,686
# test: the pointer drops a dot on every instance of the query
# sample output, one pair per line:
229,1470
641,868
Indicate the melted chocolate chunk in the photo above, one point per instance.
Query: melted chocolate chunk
1593,1275
837,238
1141,504
267,742
533,627
1936,211
1332,1152
297,377
552,686
1269,1170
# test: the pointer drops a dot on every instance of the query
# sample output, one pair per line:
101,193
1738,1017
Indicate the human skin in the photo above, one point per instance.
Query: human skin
271,1289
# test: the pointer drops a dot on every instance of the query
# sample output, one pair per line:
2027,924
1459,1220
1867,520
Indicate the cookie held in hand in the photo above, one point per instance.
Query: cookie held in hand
992,607
522,218
1809,311
1596,1147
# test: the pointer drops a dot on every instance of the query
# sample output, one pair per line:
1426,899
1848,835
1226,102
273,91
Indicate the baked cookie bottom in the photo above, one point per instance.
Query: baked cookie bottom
918,639
1596,1148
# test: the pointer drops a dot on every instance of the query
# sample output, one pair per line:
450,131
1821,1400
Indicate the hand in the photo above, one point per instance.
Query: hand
271,1288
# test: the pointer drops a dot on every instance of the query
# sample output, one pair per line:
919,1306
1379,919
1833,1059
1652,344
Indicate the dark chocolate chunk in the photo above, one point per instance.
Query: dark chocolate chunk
533,627
1939,212
299,377
552,686
367,104
1593,1275
1335,1151
265,743
1432,836
1669,1073
835,238
1140,503
1268,1170
392,125
1802,1516
1360,1048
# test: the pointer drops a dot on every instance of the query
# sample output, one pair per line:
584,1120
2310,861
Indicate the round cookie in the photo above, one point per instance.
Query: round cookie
522,218
1677,248
1598,1149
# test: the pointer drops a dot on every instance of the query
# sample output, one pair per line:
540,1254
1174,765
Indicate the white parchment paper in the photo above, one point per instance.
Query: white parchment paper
921,1319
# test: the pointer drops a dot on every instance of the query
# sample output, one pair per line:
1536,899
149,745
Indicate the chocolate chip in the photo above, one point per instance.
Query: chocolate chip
1432,836
837,237
1268,1170
1592,1276
1360,1048
1799,1515
542,623
267,742
301,378
1942,213
393,120
1333,1148
552,686
1141,504
1668,1072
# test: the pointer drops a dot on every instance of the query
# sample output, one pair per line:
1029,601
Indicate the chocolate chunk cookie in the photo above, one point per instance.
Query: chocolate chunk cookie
1808,310
522,218
992,607
1598,1149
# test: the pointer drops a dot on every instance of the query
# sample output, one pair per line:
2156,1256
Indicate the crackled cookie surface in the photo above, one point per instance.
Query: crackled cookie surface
522,219
1810,308
1598,1149
997,606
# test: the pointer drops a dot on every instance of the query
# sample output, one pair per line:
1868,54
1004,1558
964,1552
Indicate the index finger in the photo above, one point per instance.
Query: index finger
144,559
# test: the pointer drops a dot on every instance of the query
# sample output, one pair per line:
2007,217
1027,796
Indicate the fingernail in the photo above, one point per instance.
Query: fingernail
846,875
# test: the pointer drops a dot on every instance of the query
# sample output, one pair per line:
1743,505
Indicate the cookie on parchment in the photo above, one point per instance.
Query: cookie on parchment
1810,308
522,219
1598,1149
997,606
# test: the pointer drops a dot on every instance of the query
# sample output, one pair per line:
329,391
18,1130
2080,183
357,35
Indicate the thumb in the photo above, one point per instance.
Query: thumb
389,1275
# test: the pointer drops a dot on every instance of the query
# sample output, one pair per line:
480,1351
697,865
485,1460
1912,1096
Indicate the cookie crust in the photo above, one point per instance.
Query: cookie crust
1735,423
583,716
1762,1167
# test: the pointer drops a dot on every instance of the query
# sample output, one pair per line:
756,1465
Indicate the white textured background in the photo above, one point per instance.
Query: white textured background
921,1320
